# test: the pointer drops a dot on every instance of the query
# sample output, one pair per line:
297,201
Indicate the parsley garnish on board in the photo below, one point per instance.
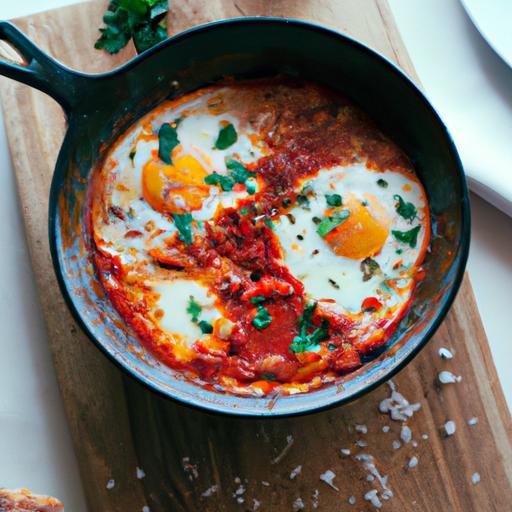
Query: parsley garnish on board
167,141
227,137
327,224
238,174
407,237
144,20
304,341
406,210
382,183
183,222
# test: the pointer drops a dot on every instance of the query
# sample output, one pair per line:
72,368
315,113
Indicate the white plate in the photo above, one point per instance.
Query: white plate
493,19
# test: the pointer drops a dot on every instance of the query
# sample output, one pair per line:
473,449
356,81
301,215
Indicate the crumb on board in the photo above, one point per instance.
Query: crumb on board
111,484
284,451
296,472
446,377
328,477
413,462
475,478
449,428
472,421
298,504
444,353
209,492
139,473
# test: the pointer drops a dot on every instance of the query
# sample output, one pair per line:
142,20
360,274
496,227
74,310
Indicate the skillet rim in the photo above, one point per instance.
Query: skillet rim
196,403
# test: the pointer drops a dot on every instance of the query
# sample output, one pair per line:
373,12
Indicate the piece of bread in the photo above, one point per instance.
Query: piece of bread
22,500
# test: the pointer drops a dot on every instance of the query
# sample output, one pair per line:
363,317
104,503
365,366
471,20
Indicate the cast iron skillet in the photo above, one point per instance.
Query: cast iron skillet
100,107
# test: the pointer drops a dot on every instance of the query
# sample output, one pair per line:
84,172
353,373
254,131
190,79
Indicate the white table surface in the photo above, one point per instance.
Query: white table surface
35,446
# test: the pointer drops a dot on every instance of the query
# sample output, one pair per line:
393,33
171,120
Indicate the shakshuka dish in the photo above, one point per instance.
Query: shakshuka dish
259,236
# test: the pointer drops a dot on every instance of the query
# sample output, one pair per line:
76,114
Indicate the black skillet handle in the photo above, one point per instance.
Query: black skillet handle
39,70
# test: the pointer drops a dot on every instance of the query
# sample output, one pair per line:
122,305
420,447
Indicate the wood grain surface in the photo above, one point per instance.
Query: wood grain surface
118,426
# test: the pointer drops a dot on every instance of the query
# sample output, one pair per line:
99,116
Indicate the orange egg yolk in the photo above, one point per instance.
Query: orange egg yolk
176,188
365,231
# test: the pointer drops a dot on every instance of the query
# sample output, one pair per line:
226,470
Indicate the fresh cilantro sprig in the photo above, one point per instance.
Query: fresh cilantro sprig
183,223
238,174
327,224
227,137
406,210
262,318
304,340
142,20
194,310
167,140
407,237
333,200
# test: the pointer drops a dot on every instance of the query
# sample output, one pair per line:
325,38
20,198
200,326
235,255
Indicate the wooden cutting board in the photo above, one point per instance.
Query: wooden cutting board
118,426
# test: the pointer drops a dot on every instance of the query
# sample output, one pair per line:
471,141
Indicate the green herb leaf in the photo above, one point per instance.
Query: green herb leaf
206,327
141,19
193,309
257,299
262,318
167,141
251,188
268,376
239,172
268,222
382,183
226,183
227,137
406,210
369,267
327,224
304,341
183,225
333,199
407,237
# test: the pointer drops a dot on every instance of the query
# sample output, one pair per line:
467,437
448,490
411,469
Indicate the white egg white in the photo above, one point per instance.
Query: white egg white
310,258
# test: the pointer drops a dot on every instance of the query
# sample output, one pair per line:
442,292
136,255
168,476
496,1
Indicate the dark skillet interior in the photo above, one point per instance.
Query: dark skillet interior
253,48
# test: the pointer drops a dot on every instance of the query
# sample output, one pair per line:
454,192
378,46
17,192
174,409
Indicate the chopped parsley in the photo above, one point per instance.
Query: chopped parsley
268,376
407,237
369,267
132,154
183,222
327,224
251,187
167,141
257,299
206,327
304,341
227,137
333,199
262,318
268,222
142,20
238,174
382,183
406,210
193,309
244,210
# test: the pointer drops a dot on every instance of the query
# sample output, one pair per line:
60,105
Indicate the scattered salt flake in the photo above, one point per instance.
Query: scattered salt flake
475,478
237,480
413,462
328,478
345,452
314,498
239,491
444,353
373,498
449,428
473,421
352,500
209,492
370,478
256,504
189,468
284,451
111,484
424,437
140,473
145,508
414,444
405,434
397,406
296,472
298,504
265,483
386,429
361,443
369,464
362,429
396,444
446,377
240,500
